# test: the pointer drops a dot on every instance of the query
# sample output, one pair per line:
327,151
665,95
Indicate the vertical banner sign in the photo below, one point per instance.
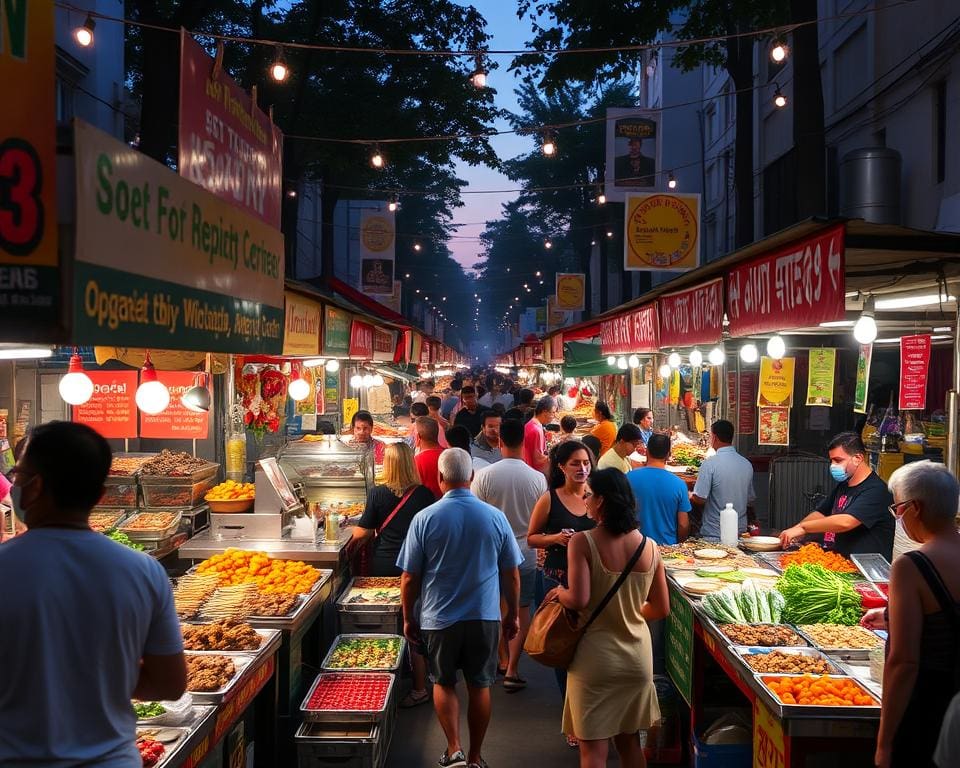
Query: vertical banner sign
774,426
661,233
743,412
820,376
377,241
863,378
301,327
914,367
679,644
227,144
571,291
29,265
350,406
632,151
176,422
637,331
776,381
112,410
336,331
556,317
361,340
799,286
692,317
416,347
769,742
384,344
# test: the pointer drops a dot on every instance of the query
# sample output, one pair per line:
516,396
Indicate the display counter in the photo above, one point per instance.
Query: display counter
323,554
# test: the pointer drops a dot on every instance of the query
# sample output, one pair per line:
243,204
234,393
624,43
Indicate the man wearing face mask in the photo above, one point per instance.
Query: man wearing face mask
856,513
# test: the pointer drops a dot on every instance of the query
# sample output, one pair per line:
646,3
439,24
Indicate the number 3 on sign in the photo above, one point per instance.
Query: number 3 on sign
768,741
21,209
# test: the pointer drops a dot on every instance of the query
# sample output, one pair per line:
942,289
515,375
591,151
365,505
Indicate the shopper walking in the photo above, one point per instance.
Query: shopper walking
628,441
610,691
87,624
451,401
471,413
428,440
534,437
725,478
514,488
460,558
486,445
606,429
922,672
663,502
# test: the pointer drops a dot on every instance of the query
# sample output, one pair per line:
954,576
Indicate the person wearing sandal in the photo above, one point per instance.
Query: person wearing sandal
557,515
615,577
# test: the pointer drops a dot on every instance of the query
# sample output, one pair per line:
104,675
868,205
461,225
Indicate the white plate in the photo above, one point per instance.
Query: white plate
700,587
761,543
710,554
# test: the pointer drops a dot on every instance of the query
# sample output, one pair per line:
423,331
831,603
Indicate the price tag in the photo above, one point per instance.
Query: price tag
769,747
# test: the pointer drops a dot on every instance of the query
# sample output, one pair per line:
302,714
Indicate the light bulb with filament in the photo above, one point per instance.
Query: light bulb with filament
779,51
665,371
376,159
865,329
299,387
717,356
622,363
633,361
332,366
673,360
696,358
549,145
279,70
672,181
611,360
779,99
356,381
393,205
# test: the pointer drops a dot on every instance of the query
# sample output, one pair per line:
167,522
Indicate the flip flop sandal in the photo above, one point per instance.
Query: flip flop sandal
514,684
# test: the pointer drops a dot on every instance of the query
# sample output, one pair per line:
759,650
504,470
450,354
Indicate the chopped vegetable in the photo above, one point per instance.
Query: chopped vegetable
815,595
148,709
814,554
122,538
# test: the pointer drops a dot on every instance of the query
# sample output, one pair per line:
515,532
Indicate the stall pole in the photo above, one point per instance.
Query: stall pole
953,406
735,417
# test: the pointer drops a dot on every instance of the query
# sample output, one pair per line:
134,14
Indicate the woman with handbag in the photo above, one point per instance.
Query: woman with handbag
384,524
616,578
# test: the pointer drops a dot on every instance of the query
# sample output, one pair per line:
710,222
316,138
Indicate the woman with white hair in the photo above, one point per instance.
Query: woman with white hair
922,671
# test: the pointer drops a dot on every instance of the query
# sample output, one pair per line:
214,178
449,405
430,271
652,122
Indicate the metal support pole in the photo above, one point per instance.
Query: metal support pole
953,406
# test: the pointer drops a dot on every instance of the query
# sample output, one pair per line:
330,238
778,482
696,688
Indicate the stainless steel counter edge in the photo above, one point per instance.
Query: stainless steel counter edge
200,728
204,545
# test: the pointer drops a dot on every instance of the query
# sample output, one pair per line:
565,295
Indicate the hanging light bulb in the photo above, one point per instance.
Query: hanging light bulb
609,233
84,35
622,363
152,395
749,353
672,181
776,347
673,360
377,380
197,398
75,386
696,358
549,146
376,159
393,204
665,371
479,76
416,247
367,380
633,361
279,70
299,387
601,197
611,360
717,356
865,329
779,51
356,381
332,366
778,98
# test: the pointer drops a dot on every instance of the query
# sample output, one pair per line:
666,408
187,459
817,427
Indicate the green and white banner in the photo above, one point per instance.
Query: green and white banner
160,262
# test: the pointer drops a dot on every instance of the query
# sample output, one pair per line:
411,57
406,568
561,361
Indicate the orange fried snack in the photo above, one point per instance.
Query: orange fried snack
820,691
272,577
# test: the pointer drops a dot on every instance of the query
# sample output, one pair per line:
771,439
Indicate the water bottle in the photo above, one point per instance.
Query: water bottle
729,525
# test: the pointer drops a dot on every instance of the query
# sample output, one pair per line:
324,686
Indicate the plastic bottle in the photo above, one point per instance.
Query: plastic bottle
729,525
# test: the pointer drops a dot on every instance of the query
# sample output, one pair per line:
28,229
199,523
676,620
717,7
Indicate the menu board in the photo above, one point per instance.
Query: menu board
112,410
176,421
914,367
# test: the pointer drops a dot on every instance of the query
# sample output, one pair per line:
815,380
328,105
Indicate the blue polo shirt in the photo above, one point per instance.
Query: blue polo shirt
660,496
458,546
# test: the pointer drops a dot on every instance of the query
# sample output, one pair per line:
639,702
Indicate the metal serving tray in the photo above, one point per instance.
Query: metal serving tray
819,711
841,653
266,636
303,603
873,566
327,666
733,642
240,661
150,534
343,605
346,716
741,651
773,559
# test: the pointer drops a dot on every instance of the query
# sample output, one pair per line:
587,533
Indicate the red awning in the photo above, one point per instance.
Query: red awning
585,330
372,306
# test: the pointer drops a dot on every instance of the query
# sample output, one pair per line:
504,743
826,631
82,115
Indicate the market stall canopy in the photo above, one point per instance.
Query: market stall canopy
584,359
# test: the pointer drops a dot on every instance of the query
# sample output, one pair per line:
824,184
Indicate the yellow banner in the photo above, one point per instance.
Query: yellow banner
350,406
661,233
571,290
821,376
776,382
301,327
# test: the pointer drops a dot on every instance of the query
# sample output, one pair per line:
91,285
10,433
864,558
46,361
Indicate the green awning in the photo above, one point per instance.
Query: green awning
584,359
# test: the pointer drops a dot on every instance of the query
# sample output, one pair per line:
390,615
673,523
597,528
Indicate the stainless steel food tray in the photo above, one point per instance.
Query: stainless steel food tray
203,473
346,716
266,636
343,605
150,534
240,661
731,641
304,603
873,566
740,651
820,711
327,667
841,653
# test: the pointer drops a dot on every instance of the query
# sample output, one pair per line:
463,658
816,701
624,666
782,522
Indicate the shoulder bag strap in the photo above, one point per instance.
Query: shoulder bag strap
396,509
619,582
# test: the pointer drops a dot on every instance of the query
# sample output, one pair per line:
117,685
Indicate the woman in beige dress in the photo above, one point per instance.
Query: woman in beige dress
610,691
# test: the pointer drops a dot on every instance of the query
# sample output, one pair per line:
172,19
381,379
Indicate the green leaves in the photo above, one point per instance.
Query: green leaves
815,595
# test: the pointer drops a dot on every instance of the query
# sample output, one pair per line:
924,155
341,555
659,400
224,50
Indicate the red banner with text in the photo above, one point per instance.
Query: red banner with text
112,411
635,331
799,286
692,317
914,369
176,421
361,340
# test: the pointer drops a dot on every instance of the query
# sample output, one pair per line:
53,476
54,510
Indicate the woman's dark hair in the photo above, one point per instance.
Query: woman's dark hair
593,443
560,455
603,409
459,437
568,423
619,503
640,414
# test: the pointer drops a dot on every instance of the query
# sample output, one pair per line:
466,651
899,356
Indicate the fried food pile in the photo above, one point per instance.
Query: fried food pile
209,673
226,635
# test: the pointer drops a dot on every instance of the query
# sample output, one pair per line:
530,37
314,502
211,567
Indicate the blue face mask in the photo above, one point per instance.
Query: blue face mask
838,472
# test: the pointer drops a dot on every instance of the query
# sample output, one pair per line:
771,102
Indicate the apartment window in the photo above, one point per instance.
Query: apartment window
710,118
940,128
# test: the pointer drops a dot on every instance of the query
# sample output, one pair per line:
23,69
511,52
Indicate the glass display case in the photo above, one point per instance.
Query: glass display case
335,476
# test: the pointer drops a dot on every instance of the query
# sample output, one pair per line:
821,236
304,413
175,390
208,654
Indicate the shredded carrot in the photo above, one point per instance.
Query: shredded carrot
814,553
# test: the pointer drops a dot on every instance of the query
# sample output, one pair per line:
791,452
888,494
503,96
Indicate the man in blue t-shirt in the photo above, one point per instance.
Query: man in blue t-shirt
86,625
459,558
663,502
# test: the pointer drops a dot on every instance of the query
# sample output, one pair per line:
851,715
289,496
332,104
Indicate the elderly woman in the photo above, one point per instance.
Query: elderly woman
922,671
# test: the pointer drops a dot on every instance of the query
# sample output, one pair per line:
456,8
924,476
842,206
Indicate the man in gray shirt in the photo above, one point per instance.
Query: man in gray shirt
726,478
486,445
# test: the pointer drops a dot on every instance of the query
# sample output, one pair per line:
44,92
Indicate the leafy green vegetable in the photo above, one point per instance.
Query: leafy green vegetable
721,606
148,709
814,595
748,604
121,538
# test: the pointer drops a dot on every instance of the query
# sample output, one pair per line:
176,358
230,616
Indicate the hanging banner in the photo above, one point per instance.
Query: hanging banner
774,426
301,327
692,317
227,144
556,318
30,298
820,376
377,252
637,331
384,344
193,271
426,349
661,233
632,152
863,378
176,421
416,347
742,411
571,291
112,411
361,340
776,381
556,348
799,286
914,367
336,331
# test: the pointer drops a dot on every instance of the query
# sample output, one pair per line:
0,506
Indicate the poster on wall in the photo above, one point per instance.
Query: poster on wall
571,291
742,410
632,152
914,367
176,421
774,426
776,382
112,410
661,233
863,378
820,376
377,252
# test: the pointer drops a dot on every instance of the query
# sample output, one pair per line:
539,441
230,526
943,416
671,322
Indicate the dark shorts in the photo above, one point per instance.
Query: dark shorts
470,646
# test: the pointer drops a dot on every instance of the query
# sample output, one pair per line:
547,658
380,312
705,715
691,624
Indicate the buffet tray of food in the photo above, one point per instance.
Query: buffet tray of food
151,526
348,697
369,653
226,637
785,660
374,594
820,696
842,641
211,677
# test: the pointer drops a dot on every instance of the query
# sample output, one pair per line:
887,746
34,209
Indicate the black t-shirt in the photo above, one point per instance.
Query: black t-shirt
868,502
472,421
380,503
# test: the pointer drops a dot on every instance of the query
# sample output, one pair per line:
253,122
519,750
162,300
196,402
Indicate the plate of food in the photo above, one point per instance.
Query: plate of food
710,554
697,586
761,543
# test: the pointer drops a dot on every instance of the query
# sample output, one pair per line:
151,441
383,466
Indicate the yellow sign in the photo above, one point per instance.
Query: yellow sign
301,326
769,747
776,382
570,291
350,406
376,233
661,233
